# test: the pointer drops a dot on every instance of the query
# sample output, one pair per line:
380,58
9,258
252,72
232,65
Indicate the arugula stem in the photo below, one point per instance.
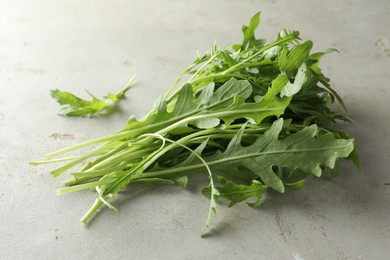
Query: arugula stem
114,137
96,205
96,173
129,84
84,186
54,160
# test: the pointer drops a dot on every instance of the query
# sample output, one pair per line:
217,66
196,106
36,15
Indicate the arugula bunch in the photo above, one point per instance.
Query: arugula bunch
256,117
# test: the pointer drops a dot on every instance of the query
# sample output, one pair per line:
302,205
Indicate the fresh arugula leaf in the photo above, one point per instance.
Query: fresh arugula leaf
293,88
227,103
301,150
75,106
290,61
235,193
249,35
296,185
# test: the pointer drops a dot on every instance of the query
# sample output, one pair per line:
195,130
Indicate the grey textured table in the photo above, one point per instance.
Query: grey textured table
98,45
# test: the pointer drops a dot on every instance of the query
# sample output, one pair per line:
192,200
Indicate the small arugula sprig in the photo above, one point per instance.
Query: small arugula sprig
256,117
77,107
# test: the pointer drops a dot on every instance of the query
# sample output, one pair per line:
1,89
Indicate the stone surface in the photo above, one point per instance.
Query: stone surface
98,45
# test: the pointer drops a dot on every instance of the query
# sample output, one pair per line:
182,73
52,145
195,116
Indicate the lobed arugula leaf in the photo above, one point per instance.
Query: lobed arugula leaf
235,193
227,103
77,107
289,61
250,40
301,151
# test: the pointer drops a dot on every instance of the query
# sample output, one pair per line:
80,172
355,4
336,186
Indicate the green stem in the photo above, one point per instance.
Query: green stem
53,161
98,203
84,186
93,165
114,137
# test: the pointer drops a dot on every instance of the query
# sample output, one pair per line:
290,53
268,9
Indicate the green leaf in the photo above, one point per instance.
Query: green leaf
225,95
355,158
313,62
291,61
296,175
228,58
272,52
249,31
184,104
206,123
250,40
270,105
236,193
75,106
302,150
182,181
293,88
336,171
296,185
190,109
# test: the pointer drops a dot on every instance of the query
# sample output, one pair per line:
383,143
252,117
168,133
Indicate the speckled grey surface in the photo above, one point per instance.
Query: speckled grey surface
98,45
